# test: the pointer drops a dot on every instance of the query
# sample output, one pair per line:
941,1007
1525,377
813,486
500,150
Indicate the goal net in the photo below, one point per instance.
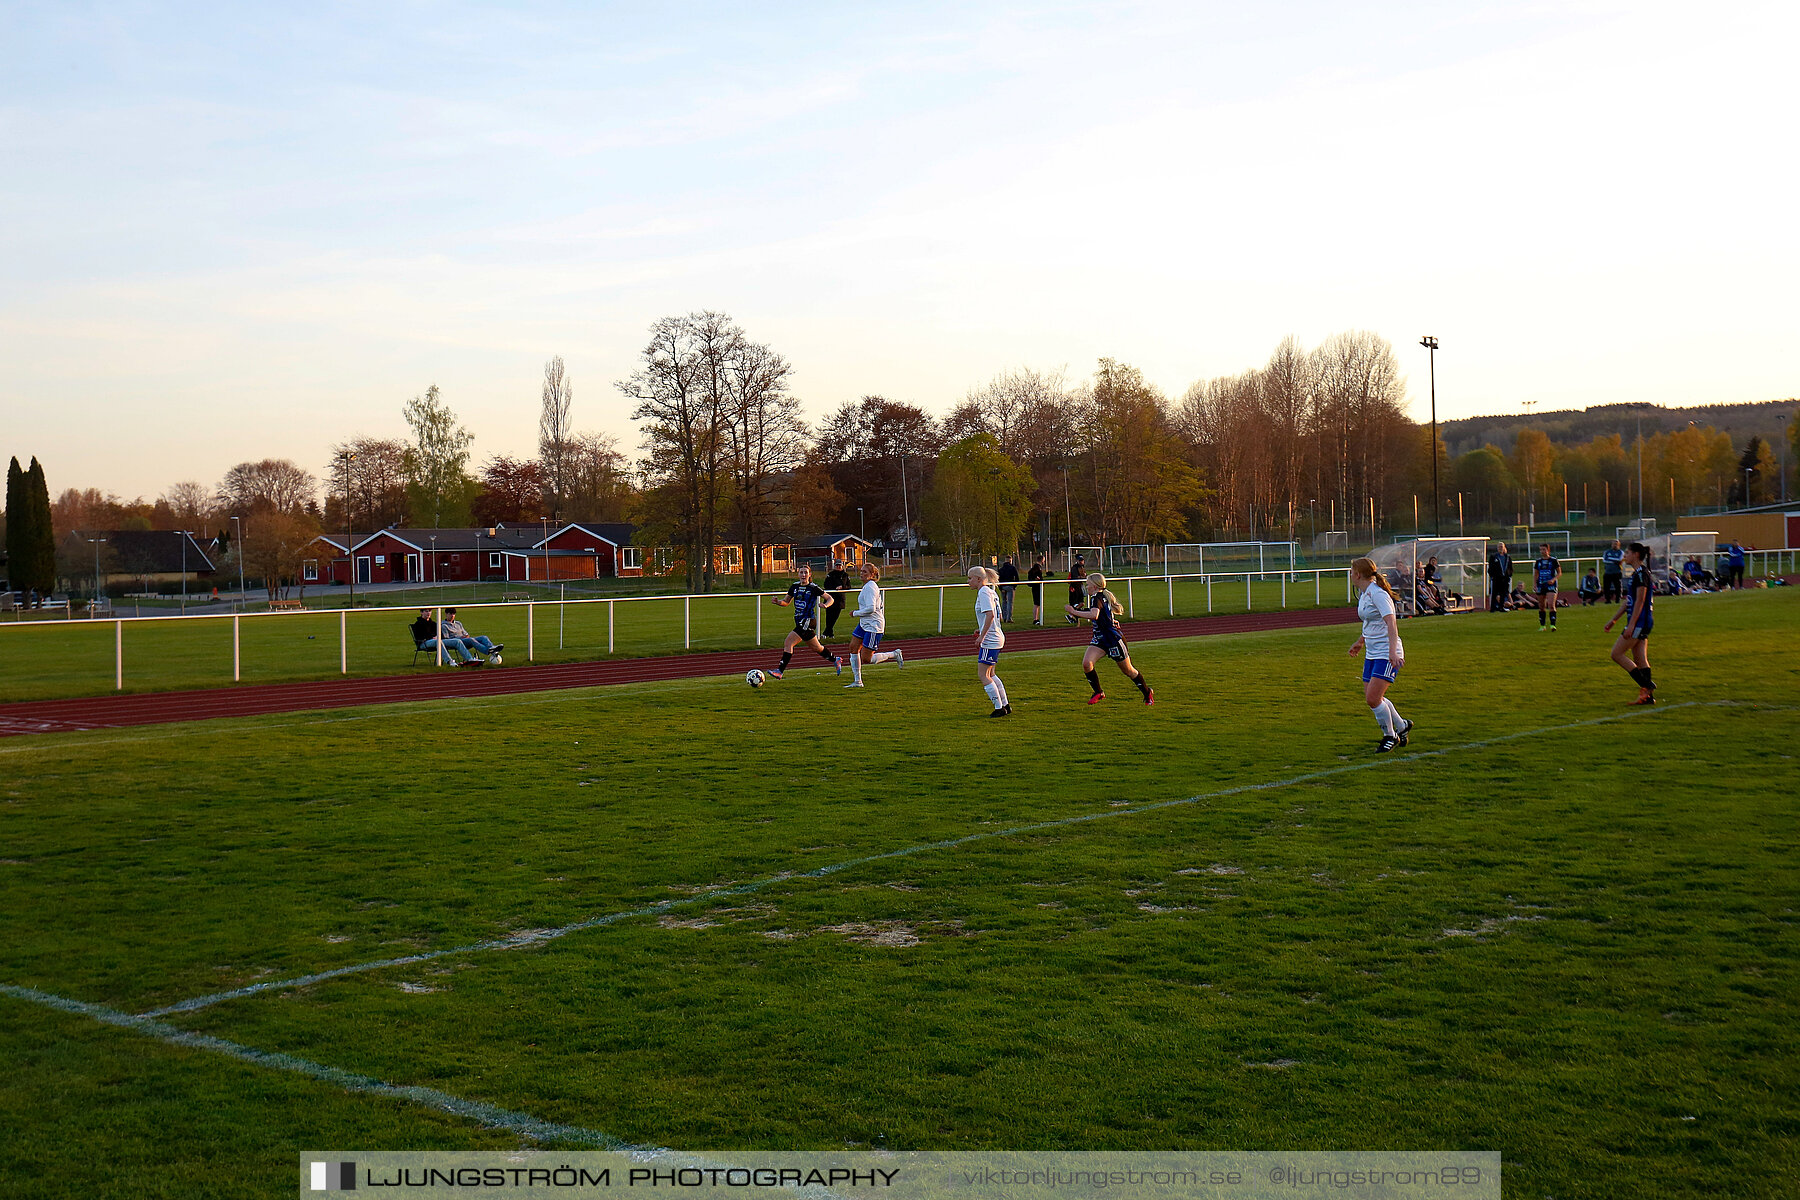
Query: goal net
1227,558
1526,539
1640,530
1332,541
1128,560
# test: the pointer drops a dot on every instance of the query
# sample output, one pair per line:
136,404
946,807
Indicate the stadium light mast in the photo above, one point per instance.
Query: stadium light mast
1431,346
242,594
97,543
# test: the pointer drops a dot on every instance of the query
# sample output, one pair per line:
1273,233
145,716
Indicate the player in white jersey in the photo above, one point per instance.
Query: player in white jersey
871,623
989,639
1383,655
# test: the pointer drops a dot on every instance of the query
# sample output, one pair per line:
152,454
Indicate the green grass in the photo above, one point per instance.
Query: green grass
1576,946
54,660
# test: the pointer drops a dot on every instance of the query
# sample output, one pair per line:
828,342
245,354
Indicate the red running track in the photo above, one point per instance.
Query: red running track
156,708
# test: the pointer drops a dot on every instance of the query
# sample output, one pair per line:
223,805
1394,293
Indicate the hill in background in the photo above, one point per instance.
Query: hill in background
1741,421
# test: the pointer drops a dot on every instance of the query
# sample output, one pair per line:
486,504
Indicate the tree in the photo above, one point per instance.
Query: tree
438,486
766,438
813,500
555,437
1487,485
1135,466
274,547
600,485
1756,472
188,505
979,501
31,551
512,490
1533,464
272,485
373,473
864,444
681,399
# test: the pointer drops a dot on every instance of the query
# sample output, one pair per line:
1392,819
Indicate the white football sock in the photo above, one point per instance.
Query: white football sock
1003,700
882,656
856,667
993,690
1380,713
1393,714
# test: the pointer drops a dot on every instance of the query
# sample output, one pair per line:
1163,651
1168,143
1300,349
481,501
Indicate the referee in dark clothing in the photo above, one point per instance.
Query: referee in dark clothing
1499,578
835,583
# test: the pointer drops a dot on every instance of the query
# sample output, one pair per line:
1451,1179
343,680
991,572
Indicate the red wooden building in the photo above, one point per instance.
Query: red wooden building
525,553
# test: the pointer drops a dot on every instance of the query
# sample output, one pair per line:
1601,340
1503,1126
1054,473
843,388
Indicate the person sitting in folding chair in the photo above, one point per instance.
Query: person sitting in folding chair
477,646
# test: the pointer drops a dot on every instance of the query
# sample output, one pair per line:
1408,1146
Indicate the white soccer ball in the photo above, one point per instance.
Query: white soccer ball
494,660
753,678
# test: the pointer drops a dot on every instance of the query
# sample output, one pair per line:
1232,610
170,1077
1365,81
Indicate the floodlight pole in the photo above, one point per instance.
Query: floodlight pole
97,543
1431,347
242,594
906,516
184,542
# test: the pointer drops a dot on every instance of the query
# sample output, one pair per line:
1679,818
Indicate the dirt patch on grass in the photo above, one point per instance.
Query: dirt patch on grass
667,922
893,934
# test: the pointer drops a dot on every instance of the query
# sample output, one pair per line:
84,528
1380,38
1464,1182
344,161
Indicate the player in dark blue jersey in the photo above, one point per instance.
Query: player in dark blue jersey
1632,650
1548,573
1103,610
808,600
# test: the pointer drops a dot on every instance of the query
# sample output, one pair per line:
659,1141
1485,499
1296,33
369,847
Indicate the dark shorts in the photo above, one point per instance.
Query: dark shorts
1547,589
806,629
1114,647
1641,630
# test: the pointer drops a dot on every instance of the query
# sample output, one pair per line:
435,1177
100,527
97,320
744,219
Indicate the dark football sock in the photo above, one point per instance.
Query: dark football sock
1143,685
1637,677
1093,678
1540,616
1648,681
825,653
785,656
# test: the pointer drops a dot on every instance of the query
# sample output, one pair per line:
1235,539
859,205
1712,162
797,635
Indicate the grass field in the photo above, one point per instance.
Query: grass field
1553,926
52,660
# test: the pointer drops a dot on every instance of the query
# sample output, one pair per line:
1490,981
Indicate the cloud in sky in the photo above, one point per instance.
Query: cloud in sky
240,231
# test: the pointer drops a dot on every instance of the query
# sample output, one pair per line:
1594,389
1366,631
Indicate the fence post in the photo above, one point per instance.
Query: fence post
940,610
118,656
609,625
237,660
687,622
1246,591
1171,580
1209,593
757,600
562,602
1318,589
1348,595
1130,604
1284,589
530,629
343,641
440,635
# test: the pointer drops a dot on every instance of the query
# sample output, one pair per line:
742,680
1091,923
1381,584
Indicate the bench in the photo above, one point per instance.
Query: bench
516,597
287,606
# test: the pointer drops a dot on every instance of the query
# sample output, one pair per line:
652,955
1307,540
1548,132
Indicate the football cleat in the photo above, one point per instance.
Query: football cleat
1149,696
1388,742
776,673
899,658
998,712
1404,731
1644,697
853,685
1096,698
838,664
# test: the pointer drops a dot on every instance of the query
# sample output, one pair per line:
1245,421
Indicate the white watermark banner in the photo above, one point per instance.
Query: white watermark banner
913,1175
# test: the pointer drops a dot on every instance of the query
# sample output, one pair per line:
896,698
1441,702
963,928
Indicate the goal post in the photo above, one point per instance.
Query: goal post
1561,544
1229,558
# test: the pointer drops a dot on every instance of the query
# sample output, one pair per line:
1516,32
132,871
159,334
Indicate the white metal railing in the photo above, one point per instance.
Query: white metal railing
1158,588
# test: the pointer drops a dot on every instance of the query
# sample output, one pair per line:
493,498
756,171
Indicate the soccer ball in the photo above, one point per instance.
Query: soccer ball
494,660
753,678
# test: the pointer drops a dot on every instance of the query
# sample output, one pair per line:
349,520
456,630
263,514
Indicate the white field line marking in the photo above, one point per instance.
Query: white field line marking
537,937
473,1110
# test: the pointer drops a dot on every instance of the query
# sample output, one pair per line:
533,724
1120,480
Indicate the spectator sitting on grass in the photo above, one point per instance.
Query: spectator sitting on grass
453,629
1589,588
425,637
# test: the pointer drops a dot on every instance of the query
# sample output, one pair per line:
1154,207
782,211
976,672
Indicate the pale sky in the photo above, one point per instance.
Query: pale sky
250,230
